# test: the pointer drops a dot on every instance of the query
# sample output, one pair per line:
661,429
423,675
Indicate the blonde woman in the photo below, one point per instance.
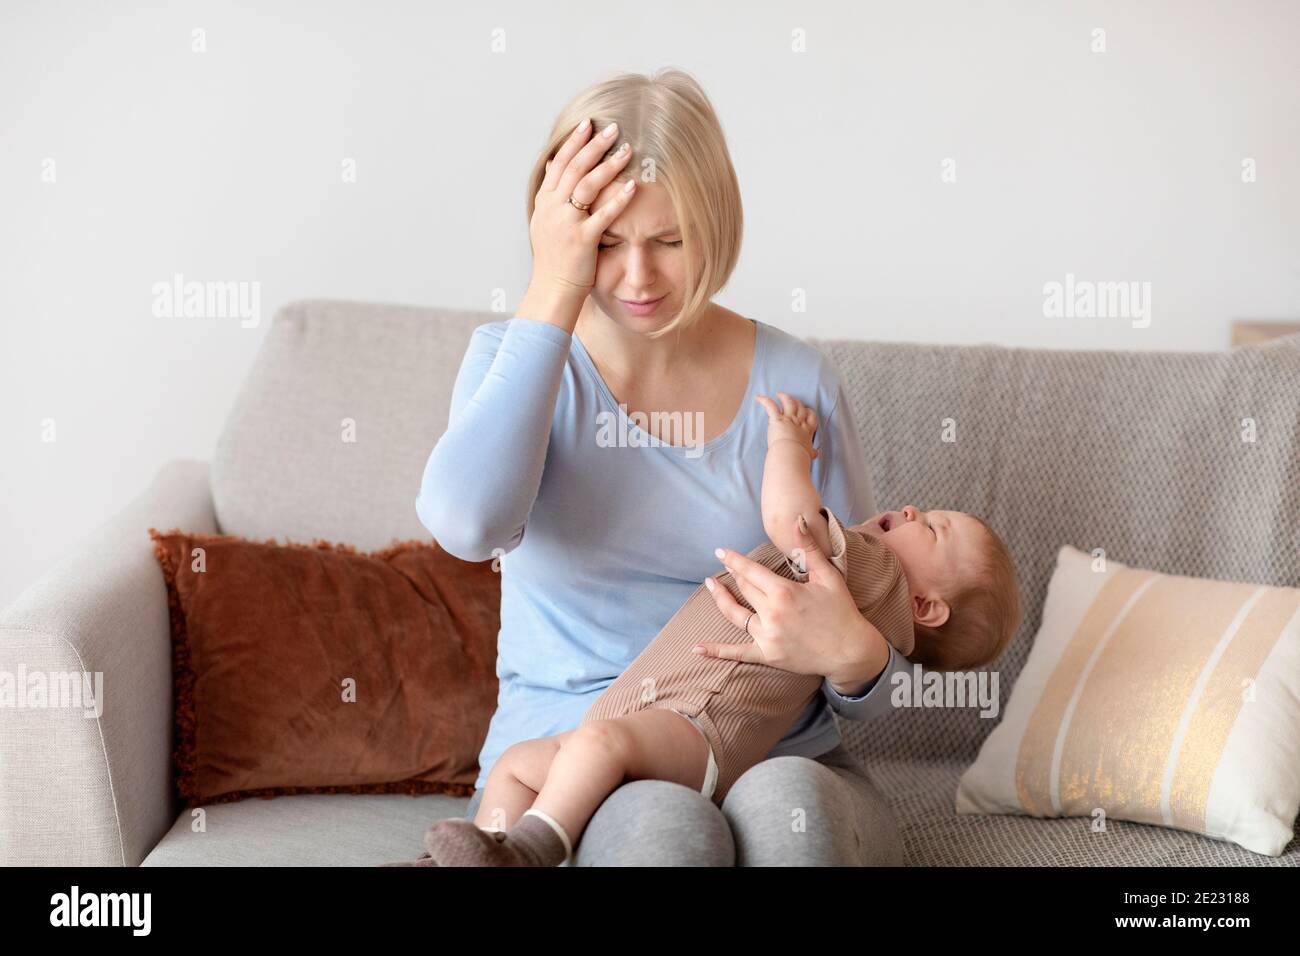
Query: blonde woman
606,440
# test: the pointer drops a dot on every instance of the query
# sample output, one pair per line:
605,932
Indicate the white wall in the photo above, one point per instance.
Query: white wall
1123,165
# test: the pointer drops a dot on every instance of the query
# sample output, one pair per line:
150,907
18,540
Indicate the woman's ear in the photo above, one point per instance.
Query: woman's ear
929,611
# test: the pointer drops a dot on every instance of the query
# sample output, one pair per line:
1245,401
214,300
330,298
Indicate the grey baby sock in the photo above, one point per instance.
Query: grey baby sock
535,840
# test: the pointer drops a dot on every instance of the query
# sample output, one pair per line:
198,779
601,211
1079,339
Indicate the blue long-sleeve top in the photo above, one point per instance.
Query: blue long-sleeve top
602,533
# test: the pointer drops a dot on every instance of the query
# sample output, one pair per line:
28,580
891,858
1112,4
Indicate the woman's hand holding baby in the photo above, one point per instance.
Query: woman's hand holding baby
811,627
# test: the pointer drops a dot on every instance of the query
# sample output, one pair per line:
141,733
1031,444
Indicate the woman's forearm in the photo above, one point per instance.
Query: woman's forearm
483,475
553,303
864,657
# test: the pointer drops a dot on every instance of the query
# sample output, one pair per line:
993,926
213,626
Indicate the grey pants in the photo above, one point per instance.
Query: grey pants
783,811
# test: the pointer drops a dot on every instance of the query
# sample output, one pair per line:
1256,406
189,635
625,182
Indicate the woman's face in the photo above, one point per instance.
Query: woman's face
640,259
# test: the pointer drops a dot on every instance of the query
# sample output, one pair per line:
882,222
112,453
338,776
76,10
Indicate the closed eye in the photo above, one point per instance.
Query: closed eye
676,243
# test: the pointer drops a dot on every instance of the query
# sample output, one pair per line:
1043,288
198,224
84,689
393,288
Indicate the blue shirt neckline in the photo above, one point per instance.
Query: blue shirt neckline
760,338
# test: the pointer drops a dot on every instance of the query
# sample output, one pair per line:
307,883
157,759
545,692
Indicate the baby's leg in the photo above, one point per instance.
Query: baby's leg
595,758
590,763
514,780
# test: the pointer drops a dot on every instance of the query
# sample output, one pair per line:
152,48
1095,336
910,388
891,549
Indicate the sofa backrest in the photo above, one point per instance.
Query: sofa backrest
284,466
1139,453
1186,463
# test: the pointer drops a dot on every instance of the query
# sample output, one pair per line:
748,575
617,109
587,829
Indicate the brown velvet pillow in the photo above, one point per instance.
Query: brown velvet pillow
317,669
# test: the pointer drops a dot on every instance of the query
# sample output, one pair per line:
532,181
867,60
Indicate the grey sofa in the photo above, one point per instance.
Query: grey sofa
1140,453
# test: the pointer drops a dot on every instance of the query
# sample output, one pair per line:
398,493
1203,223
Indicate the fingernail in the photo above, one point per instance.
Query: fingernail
609,130
720,553
697,649
803,525
583,125
708,583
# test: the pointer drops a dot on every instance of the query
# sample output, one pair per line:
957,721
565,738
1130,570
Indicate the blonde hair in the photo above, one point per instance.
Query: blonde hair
984,614
676,139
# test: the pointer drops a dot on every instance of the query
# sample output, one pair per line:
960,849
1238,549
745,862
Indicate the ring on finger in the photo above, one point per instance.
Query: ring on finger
584,206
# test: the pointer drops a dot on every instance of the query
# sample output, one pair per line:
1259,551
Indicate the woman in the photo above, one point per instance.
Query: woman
606,440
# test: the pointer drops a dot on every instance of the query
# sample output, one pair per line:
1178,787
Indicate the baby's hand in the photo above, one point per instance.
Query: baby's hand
794,420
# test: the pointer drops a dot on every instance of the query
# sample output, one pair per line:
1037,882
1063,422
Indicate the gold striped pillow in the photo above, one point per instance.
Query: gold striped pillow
1153,698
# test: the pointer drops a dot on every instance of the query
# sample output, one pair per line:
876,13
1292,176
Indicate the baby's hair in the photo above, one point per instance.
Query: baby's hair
984,614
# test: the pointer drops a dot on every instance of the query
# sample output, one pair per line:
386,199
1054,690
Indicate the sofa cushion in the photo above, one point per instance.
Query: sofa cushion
1167,700
302,668
343,829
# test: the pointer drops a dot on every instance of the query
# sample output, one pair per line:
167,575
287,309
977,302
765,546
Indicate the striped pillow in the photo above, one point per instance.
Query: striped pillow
1153,698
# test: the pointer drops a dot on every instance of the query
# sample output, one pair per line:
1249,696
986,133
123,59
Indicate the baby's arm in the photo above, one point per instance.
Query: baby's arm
787,474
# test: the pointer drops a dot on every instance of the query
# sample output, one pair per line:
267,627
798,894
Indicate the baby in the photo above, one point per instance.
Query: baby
938,585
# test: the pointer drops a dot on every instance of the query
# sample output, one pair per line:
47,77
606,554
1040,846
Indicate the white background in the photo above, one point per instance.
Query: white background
225,166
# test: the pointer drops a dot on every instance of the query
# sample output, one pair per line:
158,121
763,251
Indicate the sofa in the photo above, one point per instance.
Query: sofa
1139,453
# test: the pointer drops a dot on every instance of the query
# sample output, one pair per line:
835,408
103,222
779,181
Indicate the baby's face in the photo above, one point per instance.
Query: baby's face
935,548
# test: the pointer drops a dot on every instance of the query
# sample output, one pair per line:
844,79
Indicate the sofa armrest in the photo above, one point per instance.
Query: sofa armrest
85,779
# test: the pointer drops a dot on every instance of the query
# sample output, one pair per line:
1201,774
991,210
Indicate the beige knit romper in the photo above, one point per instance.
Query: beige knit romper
744,709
